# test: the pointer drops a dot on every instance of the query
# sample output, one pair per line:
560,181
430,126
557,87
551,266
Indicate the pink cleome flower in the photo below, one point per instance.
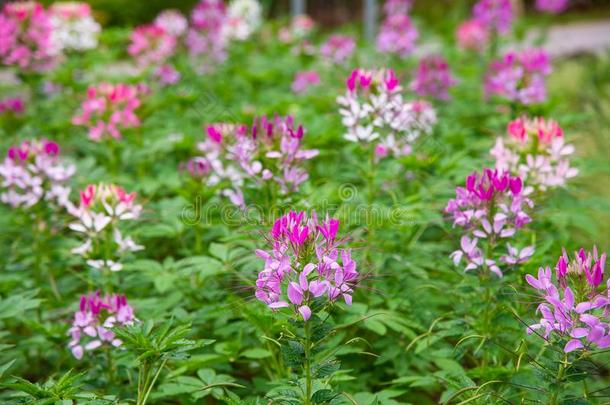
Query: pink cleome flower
110,108
305,79
433,78
304,263
495,15
32,172
535,151
575,305
338,48
205,38
519,76
151,44
491,207
96,316
472,35
552,6
26,36
397,35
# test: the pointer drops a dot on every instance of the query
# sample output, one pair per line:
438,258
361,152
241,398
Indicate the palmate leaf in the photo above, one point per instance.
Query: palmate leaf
67,387
17,304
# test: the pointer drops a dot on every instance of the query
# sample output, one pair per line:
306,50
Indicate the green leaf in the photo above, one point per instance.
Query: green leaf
256,353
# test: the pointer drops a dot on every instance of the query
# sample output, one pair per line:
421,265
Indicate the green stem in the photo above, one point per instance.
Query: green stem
307,365
553,399
152,383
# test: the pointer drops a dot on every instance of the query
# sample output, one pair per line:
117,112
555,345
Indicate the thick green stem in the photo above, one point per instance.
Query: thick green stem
307,365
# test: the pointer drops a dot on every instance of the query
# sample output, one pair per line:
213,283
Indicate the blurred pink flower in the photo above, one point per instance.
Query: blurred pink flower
397,35
472,35
338,48
519,76
26,36
108,109
552,6
433,78
304,80
495,15
151,45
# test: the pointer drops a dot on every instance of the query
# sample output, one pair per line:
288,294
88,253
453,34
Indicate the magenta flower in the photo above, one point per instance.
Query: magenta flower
472,35
304,80
373,110
305,263
433,78
576,303
519,77
32,172
269,152
490,207
205,38
26,36
552,6
94,320
495,15
108,109
12,105
151,45
338,48
535,151
397,35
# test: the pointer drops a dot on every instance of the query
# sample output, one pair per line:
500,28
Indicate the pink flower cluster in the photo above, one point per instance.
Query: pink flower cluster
74,28
167,75
269,151
33,171
433,78
26,36
301,26
472,35
96,316
206,39
397,35
491,207
576,302
552,6
392,7
102,208
151,44
110,108
14,105
338,48
373,110
304,80
535,151
495,15
305,264
173,22
519,77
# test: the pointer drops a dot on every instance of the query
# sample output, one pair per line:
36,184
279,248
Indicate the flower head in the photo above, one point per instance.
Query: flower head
373,110
552,6
74,28
536,151
244,17
495,15
338,48
32,172
472,35
206,39
397,35
305,263
304,80
491,207
173,22
519,76
26,39
94,320
151,44
237,156
109,108
433,78
575,303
